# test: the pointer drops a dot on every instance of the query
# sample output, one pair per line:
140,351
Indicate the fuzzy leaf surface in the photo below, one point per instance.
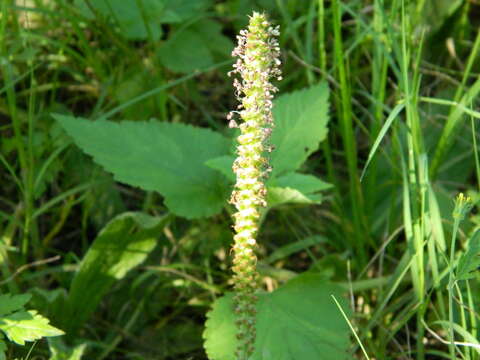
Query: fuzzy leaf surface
120,246
297,321
470,260
157,156
24,326
300,119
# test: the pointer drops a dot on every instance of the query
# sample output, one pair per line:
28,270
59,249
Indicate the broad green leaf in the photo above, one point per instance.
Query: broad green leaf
196,47
224,165
122,244
157,156
186,51
297,321
175,11
10,303
470,260
27,326
289,188
277,196
133,83
135,22
216,41
307,184
140,19
301,119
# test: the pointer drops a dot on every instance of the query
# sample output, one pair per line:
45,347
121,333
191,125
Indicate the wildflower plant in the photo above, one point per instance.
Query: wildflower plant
194,177
257,63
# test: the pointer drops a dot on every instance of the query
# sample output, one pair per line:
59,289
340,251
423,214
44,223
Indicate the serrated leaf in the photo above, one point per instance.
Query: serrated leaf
10,303
297,321
123,243
277,196
158,156
289,188
185,52
306,184
27,326
301,119
470,260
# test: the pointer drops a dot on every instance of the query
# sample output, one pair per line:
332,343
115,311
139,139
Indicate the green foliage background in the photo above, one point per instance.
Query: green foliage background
115,173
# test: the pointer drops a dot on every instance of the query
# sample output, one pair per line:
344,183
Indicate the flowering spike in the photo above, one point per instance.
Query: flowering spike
257,63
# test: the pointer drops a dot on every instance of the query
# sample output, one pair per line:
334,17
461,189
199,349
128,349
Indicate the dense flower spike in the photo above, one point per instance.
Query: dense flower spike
257,52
